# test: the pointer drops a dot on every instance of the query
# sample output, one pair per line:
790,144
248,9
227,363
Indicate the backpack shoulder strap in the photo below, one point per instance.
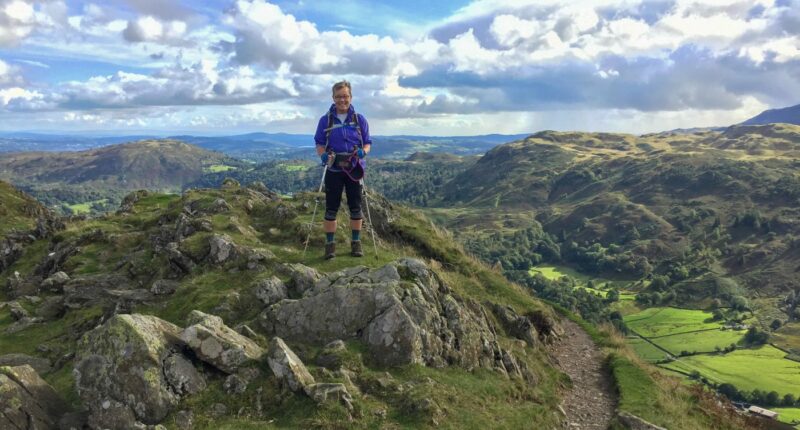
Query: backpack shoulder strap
358,128
328,129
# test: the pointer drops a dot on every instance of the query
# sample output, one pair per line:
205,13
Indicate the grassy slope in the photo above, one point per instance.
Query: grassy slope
17,210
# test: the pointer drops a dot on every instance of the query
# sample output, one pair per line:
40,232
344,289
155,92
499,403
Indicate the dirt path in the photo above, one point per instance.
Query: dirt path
591,402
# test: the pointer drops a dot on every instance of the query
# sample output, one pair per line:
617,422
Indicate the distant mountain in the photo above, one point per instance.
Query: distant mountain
24,142
264,146
789,115
152,164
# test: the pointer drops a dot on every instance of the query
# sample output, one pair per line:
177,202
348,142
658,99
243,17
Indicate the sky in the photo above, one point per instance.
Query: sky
422,67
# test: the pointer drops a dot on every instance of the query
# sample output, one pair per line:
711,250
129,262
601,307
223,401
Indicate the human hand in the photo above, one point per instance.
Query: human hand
324,158
360,152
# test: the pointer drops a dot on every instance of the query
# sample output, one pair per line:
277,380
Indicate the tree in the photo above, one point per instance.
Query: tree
773,398
613,296
789,400
755,336
739,303
776,324
729,391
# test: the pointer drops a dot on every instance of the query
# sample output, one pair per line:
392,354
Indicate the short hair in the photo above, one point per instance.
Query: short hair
342,84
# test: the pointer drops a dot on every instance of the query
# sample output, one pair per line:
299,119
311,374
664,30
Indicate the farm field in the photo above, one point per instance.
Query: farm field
788,415
788,337
86,207
582,280
216,168
699,341
645,349
765,369
656,322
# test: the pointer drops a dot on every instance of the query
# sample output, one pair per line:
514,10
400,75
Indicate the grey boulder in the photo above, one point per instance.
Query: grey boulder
219,345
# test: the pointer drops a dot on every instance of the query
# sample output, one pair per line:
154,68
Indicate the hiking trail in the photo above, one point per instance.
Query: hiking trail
592,400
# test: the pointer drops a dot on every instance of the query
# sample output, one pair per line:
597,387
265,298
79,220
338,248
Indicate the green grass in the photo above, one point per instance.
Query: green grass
701,341
645,349
788,415
765,369
653,322
293,167
788,337
85,207
557,272
216,168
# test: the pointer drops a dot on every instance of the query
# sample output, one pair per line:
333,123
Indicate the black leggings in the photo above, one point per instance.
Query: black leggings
334,183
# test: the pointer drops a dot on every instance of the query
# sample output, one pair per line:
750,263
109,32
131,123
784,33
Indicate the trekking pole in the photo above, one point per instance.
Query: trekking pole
369,218
314,214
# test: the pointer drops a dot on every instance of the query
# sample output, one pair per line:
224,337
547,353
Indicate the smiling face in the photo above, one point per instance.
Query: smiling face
342,98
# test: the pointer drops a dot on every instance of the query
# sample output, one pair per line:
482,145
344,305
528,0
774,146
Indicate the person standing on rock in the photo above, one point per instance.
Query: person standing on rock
342,140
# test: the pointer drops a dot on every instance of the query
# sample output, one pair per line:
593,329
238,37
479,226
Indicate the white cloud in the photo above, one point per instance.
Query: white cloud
9,75
19,96
150,29
17,21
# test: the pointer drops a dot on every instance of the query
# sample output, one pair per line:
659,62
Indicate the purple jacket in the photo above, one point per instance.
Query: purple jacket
343,137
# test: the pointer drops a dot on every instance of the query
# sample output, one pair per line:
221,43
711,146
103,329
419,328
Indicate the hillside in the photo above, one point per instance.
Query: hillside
96,180
202,309
18,211
153,164
663,197
789,115
23,220
692,232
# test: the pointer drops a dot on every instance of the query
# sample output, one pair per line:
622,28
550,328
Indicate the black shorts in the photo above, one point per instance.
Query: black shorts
335,182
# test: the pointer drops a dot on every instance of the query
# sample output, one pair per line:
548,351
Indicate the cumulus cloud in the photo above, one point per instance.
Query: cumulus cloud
268,36
9,75
489,58
681,55
199,84
150,29
17,20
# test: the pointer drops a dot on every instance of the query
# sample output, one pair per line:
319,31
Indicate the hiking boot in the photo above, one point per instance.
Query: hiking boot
355,249
330,250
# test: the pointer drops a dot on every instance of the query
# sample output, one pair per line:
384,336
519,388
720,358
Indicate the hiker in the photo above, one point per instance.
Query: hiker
343,141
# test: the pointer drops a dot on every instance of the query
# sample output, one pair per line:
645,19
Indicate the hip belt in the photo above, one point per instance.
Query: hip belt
343,160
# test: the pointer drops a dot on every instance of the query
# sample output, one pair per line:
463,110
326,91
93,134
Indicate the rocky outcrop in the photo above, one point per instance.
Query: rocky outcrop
164,287
182,376
119,371
270,291
55,282
521,327
111,288
402,311
222,249
287,367
129,201
40,365
219,345
11,248
28,402
301,278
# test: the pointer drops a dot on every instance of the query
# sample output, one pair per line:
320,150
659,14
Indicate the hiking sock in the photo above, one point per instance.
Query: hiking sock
329,237
356,235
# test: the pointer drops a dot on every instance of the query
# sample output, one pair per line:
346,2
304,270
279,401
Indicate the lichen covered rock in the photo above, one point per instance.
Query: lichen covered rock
28,402
120,365
287,367
219,345
402,311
